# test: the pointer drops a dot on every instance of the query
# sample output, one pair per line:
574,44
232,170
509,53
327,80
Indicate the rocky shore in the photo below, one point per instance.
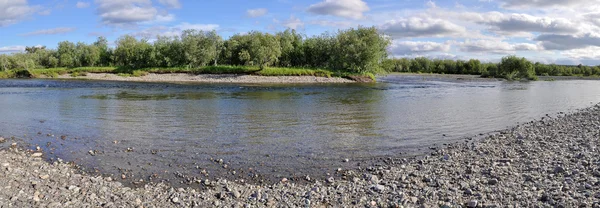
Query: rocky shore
211,78
552,162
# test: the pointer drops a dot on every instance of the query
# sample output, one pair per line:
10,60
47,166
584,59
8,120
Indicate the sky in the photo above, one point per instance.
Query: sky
547,31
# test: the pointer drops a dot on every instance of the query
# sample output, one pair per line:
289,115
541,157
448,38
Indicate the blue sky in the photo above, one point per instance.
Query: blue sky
550,31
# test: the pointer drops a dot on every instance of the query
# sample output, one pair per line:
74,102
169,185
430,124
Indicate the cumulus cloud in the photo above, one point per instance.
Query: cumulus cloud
535,4
515,23
53,31
499,47
328,23
129,12
152,32
591,52
12,49
171,3
421,27
403,48
293,23
256,12
568,42
81,4
14,11
351,9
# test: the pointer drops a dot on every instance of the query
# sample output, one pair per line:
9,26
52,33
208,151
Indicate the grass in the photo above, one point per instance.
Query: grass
127,72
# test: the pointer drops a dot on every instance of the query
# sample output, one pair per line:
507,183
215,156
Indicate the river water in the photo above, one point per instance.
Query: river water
269,131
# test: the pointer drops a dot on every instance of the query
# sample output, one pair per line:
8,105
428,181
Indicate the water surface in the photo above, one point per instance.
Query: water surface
270,130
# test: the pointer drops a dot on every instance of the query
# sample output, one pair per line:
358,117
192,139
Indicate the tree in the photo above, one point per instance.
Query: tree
66,54
361,50
511,67
105,52
264,49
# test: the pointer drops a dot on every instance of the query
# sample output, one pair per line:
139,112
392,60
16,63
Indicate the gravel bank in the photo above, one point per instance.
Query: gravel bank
211,78
553,162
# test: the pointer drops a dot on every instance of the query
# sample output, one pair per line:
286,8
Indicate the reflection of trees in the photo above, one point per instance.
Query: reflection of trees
349,119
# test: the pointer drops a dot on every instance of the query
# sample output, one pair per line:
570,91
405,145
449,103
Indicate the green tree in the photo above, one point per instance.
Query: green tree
360,50
512,67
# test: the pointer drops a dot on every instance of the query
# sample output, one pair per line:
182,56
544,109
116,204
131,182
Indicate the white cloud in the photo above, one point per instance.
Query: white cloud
328,23
516,23
499,47
403,48
171,3
293,23
81,4
421,27
45,12
536,4
568,42
13,11
130,12
53,31
351,9
152,32
12,49
591,52
256,12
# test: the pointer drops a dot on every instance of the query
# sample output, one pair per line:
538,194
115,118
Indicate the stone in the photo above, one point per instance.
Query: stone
236,194
559,169
2,140
378,188
175,200
37,154
330,180
413,200
92,152
472,204
492,181
283,180
44,177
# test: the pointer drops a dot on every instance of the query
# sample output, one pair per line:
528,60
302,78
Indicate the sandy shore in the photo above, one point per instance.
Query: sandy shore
553,162
211,78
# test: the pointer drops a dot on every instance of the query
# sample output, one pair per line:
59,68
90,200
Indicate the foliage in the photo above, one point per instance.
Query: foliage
353,51
360,50
512,68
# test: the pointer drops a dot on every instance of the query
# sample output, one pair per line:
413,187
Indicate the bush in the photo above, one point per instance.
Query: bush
139,73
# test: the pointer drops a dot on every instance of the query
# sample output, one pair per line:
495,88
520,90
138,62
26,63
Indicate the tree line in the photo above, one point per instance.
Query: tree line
360,50
509,67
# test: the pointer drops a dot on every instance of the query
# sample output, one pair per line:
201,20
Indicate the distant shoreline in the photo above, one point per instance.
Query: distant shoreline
210,78
479,78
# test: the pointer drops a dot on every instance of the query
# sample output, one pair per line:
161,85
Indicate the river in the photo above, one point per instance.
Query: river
265,132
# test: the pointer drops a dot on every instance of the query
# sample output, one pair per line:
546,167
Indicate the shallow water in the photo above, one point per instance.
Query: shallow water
277,130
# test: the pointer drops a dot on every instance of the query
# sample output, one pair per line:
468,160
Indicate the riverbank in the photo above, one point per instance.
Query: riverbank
550,162
210,78
467,77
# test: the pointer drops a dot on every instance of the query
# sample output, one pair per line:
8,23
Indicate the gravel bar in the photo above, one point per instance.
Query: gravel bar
212,78
552,162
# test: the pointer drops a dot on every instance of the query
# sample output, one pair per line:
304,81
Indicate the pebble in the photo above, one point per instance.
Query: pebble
37,154
175,200
472,204
330,180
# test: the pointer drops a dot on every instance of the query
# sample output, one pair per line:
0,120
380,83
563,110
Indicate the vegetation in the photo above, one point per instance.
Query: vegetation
356,51
510,67
361,51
